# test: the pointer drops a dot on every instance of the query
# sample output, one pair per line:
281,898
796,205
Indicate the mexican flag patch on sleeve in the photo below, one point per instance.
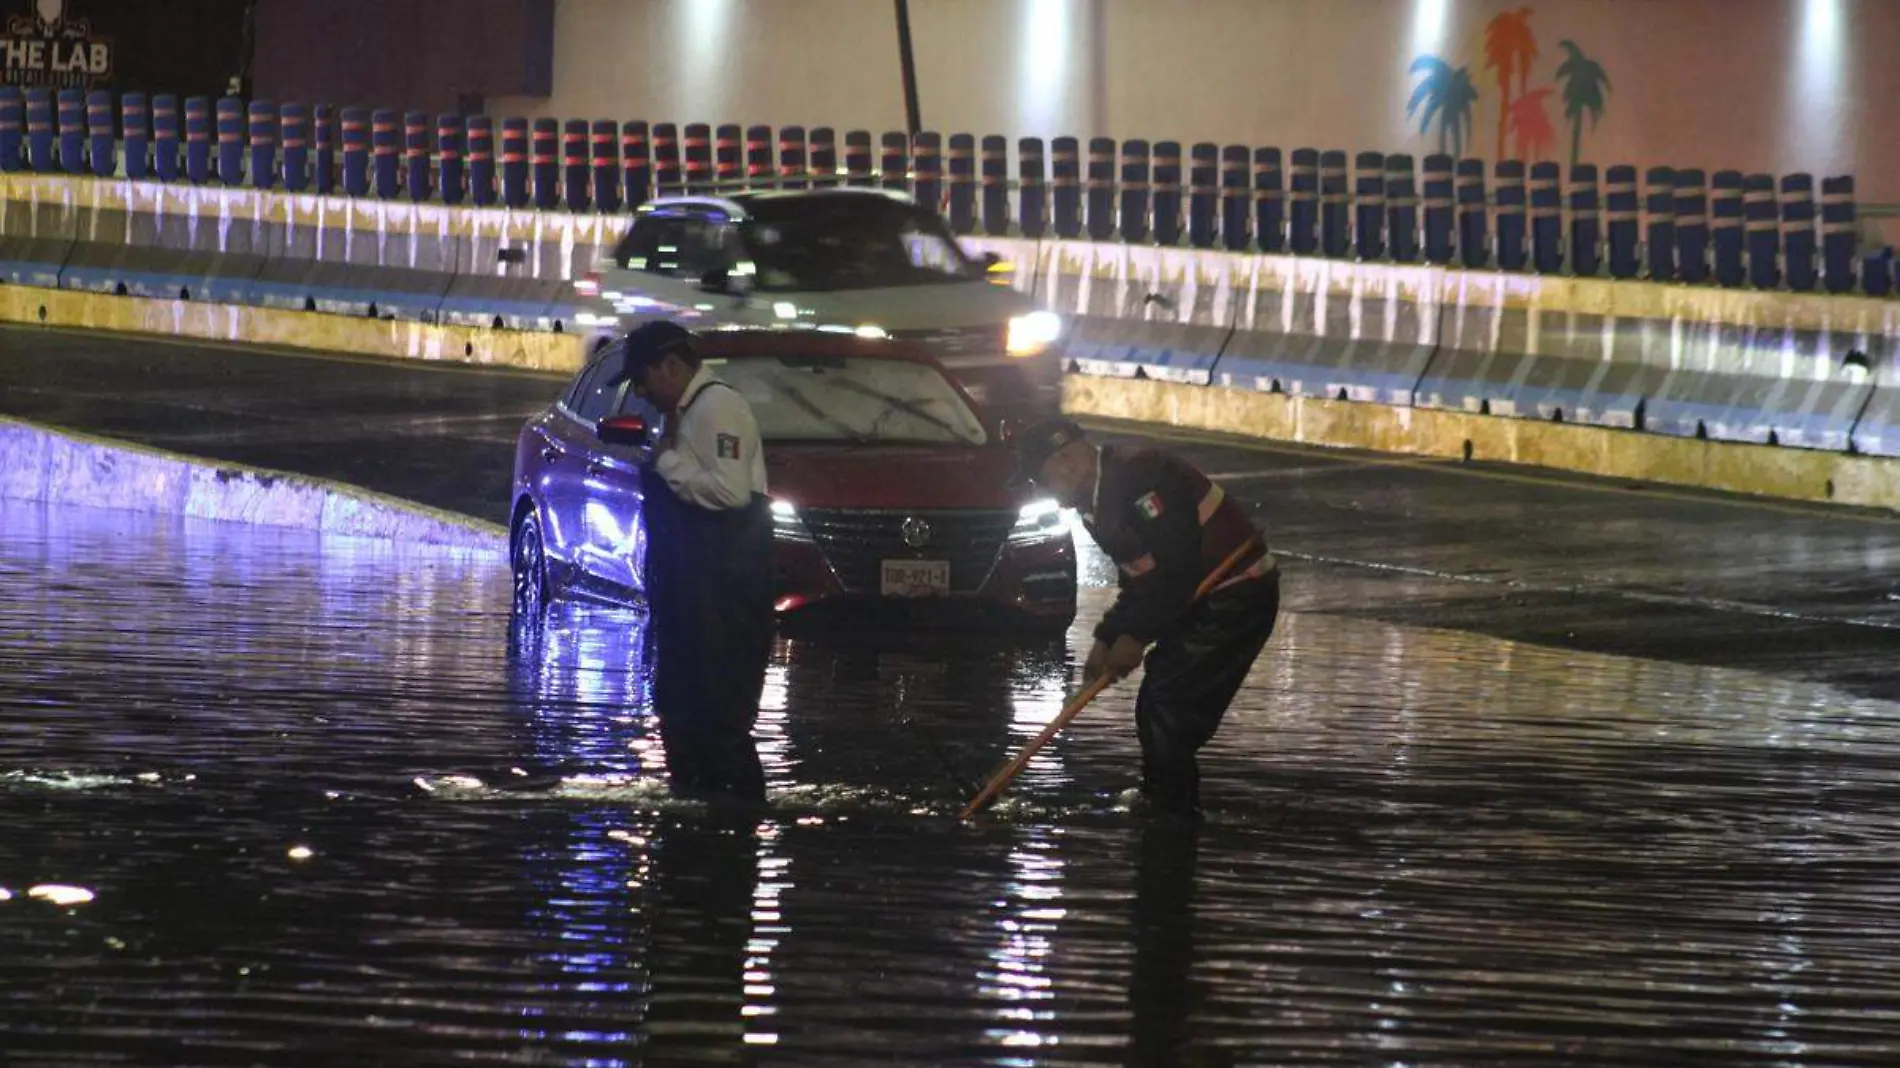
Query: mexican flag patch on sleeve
1149,505
728,445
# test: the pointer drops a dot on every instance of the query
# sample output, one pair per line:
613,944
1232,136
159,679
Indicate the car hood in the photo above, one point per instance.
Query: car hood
892,476
958,305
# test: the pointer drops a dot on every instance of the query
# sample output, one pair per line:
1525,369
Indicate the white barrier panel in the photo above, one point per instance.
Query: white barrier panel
1332,328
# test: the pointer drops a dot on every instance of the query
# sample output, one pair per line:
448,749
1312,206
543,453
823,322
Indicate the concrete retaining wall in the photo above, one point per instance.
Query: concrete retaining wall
51,465
1746,366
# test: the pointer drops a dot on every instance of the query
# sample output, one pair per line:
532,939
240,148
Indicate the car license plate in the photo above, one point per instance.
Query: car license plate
916,578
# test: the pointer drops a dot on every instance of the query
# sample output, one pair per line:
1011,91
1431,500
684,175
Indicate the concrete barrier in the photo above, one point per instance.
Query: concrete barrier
1507,348
39,224
104,240
1877,431
1693,362
1324,328
1771,368
1160,313
56,466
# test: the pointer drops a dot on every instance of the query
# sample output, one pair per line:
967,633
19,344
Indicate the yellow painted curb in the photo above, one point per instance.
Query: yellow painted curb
531,350
1759,470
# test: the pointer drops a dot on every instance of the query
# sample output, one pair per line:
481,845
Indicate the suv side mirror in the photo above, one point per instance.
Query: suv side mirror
629,430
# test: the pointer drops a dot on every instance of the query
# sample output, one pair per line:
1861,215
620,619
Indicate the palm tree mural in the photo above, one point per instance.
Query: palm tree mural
1448,96
1509,50
1585,85
1530,125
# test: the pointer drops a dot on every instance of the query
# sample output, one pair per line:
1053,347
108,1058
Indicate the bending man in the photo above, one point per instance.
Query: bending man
1168,528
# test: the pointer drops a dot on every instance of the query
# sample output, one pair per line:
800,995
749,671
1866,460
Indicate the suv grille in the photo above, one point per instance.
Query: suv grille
856,543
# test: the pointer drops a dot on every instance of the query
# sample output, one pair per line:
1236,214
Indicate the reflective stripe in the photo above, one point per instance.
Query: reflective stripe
1138,568
1262,567
1212,502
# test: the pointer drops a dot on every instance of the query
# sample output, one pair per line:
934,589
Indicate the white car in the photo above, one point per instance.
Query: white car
866,261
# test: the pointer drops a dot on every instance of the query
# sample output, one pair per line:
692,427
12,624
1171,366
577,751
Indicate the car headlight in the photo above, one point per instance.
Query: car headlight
1039,519
1030,334
786,525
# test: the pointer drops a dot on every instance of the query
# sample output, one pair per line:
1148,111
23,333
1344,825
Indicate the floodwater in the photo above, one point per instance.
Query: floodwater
272,798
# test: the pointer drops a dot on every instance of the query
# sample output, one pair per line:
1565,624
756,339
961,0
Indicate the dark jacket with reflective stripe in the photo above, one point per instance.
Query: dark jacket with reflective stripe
1166,527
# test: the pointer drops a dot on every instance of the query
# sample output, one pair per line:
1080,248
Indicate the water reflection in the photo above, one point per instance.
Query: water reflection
1163,996
667,919
934,713
326,805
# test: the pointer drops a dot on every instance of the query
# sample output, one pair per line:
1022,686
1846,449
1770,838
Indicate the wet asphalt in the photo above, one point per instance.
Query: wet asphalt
1801,591
275,798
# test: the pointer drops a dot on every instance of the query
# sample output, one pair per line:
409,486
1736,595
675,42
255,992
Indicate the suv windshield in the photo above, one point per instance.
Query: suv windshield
816,243
853,400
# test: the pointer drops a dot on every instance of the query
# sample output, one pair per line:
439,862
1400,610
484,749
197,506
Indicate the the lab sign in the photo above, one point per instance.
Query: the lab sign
53,47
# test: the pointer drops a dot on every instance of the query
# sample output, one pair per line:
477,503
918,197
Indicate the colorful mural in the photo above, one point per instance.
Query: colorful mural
1446,95
1585,86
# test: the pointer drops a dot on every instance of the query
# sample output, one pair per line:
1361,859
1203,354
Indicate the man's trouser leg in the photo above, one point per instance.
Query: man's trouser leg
736,640
676,705
676,702
1190,679
751,623
731,751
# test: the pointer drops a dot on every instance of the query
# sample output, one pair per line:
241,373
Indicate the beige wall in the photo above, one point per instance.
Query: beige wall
1755,85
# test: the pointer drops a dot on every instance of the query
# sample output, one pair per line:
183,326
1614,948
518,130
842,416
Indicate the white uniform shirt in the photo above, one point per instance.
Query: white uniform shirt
716,461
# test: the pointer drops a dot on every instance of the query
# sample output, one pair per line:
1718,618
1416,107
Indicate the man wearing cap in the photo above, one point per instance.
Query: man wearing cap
1168,528
709,566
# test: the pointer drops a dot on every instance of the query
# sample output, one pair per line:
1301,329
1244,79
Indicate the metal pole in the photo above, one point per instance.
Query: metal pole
909,64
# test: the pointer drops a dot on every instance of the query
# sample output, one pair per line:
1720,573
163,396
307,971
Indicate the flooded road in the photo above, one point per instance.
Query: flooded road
270,798
1559,561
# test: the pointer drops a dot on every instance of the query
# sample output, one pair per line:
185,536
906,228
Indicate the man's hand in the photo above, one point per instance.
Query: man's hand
670,437
1117,661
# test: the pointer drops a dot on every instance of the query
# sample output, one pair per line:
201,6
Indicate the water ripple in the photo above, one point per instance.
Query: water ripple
275,798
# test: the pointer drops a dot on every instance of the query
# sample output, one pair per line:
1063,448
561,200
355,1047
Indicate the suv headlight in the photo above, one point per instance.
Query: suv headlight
1030,334
1039,519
